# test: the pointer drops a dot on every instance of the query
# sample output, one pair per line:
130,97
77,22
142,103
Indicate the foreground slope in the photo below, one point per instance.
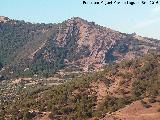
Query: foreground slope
137,111
121,89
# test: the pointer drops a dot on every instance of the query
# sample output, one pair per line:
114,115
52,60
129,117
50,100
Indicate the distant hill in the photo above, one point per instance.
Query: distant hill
28,49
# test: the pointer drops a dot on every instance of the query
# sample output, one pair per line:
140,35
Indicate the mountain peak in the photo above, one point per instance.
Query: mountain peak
3,19
76,20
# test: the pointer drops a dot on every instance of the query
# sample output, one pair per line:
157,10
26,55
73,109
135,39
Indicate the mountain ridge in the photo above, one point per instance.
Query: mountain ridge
75,42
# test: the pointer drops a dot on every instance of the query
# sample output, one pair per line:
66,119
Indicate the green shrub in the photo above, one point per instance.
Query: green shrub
158,110
145,104
152,100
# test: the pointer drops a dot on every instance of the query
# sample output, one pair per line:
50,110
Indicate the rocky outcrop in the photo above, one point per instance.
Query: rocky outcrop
3,19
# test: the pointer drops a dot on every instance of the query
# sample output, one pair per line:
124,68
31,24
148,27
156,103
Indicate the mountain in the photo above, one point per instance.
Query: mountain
43,49
77,70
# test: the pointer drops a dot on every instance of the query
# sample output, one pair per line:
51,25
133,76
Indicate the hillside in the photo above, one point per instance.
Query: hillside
129,90
29,49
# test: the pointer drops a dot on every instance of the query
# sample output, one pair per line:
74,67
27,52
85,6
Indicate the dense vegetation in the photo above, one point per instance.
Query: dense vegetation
147,81
19,39
76,99
1,66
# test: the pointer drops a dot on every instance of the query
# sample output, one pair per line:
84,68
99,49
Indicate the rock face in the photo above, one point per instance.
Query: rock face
3,19
88,44
72,42
91,41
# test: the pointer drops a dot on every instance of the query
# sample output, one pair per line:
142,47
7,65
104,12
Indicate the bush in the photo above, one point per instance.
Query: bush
145,104
112,104
158,110
152,100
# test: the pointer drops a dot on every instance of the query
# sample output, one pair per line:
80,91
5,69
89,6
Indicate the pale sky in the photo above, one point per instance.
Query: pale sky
142,19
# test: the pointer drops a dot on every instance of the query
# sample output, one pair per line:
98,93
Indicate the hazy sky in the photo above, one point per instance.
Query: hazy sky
142,19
